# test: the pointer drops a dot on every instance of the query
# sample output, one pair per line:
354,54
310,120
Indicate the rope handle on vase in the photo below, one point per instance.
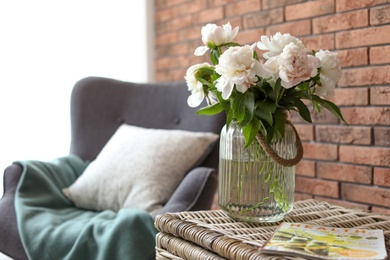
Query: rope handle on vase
274,156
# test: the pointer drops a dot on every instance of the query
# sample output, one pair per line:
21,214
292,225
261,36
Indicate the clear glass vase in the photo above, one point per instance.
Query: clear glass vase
252,187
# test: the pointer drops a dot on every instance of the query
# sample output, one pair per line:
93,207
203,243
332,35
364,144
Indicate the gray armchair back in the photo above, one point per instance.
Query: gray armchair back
98,107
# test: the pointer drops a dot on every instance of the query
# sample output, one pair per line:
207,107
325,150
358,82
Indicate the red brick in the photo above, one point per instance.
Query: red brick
163,62
363,37
381,210
382,176
166,14
162,50
365,76
249,36
320,151
298,28
167,38
159,4
350,96
162,76
343,203
305,131
309,9
186,61
353,57
163,4
365,194
382,136
365,155
344,172
317,187
305,168
178,74
345,5
179,23
380,15
209,15
323,117
380,95
380,55
234,22
222,2
319,42
342,21
366,115
193,6
301,196
181,48
343,134
242,7
268,4
192,33
263,18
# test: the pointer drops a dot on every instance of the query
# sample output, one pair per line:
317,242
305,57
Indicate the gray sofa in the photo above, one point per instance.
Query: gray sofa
98,107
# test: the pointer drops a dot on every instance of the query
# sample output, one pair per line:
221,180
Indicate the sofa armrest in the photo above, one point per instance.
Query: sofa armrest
195,192
10,242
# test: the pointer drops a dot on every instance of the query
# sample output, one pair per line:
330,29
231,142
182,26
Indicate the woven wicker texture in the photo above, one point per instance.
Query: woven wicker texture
213,235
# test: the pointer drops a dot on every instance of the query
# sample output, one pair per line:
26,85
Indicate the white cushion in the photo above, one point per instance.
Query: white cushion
139,168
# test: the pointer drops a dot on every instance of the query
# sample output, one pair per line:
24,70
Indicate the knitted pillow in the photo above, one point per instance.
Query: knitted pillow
139,168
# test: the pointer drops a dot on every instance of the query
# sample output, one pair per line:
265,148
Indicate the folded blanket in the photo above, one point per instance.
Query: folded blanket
52,228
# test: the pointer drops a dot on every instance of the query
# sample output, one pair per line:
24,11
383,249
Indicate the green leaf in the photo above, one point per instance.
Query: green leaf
330,106
270,134
214,56
243,106
210,110
279,122
250,131
303,111
205,82
264,110
277,88
266,89
255,55
229,118
205,70
230,44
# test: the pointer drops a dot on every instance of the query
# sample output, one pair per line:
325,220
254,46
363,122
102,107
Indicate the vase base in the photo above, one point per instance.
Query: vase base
256,219
246,213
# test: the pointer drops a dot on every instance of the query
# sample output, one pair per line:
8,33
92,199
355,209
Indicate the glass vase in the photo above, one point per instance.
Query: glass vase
253,187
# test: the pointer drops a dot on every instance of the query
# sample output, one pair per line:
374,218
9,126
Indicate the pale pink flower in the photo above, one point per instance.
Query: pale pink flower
238,67
213,35
330,73
196,87
293,65
275,44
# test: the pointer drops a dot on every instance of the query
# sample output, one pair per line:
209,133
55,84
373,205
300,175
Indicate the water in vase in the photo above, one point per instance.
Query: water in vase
252,187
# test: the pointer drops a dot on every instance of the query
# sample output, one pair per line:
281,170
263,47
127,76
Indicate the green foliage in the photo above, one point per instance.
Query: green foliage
210,110
263,106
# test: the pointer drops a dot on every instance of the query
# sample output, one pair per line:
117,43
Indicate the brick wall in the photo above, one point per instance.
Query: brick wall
345,165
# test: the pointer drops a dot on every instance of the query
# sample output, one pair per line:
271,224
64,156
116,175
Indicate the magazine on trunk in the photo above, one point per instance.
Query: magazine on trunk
320,242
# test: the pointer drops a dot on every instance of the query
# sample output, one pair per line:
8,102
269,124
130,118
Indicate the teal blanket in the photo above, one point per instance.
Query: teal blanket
52,228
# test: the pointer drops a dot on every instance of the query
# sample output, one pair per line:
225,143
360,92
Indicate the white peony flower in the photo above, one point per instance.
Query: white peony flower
330,73
293,65
196,87
275,44
237,66
213,35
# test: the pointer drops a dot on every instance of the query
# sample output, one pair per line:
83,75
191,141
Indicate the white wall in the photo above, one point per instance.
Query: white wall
45,47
